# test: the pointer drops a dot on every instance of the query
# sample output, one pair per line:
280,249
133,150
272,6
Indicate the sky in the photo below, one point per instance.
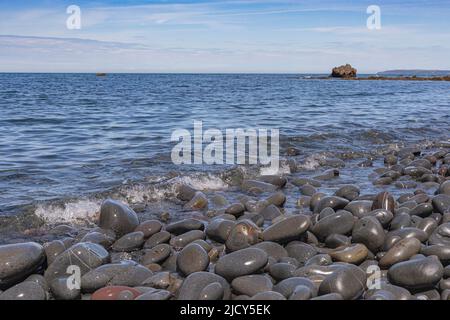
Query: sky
223,36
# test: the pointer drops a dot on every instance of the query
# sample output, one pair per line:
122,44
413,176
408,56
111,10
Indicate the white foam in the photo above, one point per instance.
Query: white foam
72,211
204,182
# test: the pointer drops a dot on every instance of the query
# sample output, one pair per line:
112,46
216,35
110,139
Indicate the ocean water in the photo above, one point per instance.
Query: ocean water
72,138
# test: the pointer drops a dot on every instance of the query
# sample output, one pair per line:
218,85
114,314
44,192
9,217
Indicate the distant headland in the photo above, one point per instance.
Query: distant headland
348,72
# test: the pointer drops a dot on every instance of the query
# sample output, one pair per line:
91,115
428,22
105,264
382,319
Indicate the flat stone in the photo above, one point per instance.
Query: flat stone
286,287
401,251
149,228
241,263
129,242
331,202
287,229
27,290
184,226
273,249
17,261
355,254
184,239
213,291
156,239
115,293
251,284
416,273
219,229
157,254
339,223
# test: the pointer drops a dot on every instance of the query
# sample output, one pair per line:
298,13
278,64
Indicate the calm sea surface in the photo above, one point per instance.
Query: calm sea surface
73,135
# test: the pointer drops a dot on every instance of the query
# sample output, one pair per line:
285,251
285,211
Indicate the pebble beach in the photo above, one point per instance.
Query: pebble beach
269,237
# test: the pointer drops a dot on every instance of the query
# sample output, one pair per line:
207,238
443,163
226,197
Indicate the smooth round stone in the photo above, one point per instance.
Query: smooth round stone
156,239
154,295
272,249
251,285
381,295
193,258
348,192
409,232
441,203
270,212
185,192
184,239
319,260
219,229
115,293
401,251
428,225
198,202
331,202
422,210
268,296
276,180
444,284
328,175
347,280
385,201
307,190
236,209
337,240
329,297
157,254
195,283
125,273
444,188
315,199
399,293
441,251
400,220
302,181
301,252
27,290
286,287
53,249
184,226
288,229
340,223
129,242
359,208
160,280
213,291
301,292
416,273
390,159
428,295
61,291
40,280
85,255
355,254
118,217
241,263
278,199
94,237
282,270
17,261
441,235
149,228
326,212
254,217
248,185
369,232
243,235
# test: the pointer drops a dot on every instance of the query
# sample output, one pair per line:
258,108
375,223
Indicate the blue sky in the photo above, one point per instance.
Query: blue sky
222,36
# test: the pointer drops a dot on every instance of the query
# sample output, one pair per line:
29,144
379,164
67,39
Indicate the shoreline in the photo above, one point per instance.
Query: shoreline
274,231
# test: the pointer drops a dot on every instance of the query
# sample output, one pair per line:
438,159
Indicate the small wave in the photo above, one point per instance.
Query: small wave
73,211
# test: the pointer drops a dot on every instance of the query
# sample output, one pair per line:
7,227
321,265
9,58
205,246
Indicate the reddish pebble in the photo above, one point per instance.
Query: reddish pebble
113,293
